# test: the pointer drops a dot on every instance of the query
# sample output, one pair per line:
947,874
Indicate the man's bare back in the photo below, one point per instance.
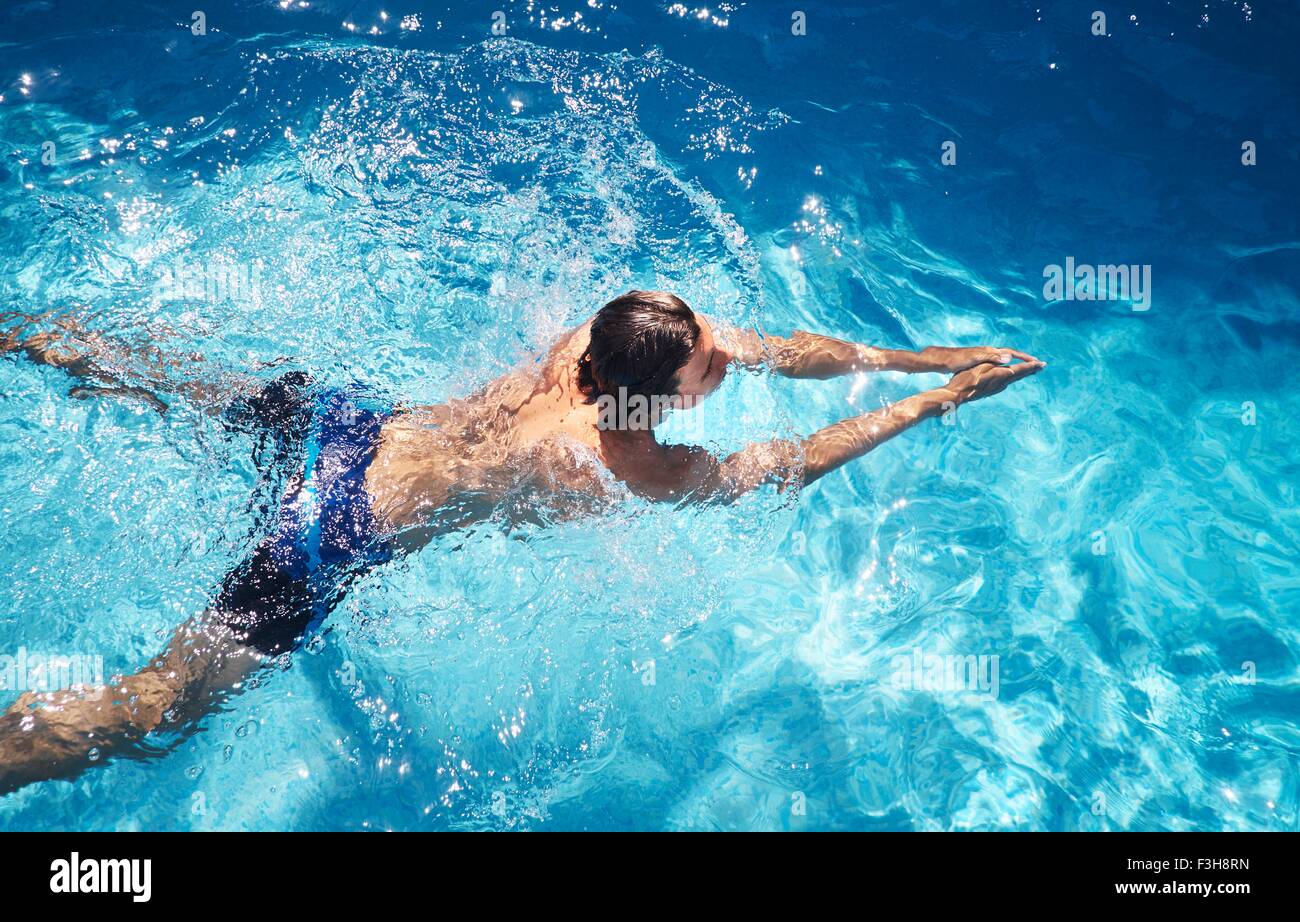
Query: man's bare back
528,428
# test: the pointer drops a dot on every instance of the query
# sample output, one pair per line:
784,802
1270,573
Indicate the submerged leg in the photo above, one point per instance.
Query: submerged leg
112,367
263,609
58,735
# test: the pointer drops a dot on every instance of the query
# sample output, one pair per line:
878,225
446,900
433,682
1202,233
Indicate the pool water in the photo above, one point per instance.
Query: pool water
390,193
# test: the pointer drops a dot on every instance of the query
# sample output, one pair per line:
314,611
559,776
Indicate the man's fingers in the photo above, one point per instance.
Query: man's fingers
1003,356
1025,369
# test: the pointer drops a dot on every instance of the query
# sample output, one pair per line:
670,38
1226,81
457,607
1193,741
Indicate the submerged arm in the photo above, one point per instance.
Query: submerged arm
783,461
811,355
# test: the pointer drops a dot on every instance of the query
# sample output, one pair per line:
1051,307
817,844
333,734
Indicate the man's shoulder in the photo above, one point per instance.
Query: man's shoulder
675,471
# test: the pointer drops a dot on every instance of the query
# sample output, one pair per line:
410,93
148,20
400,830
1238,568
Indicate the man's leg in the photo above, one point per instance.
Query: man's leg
262,606
111,367
53,735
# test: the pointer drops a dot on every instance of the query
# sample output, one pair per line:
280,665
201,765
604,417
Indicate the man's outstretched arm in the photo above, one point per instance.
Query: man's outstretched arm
784,462
811,355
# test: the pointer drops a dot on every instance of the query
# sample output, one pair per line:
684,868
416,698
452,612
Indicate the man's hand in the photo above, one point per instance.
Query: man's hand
944,358
986,379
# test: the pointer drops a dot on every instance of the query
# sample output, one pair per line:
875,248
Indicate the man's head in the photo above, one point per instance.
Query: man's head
651,343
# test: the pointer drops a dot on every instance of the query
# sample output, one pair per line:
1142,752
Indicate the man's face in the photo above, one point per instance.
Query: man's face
703,371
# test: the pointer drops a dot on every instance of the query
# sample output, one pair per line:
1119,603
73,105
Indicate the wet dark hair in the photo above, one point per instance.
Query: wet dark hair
640,340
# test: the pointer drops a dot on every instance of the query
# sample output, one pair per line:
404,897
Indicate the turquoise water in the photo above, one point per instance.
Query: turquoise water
424,206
